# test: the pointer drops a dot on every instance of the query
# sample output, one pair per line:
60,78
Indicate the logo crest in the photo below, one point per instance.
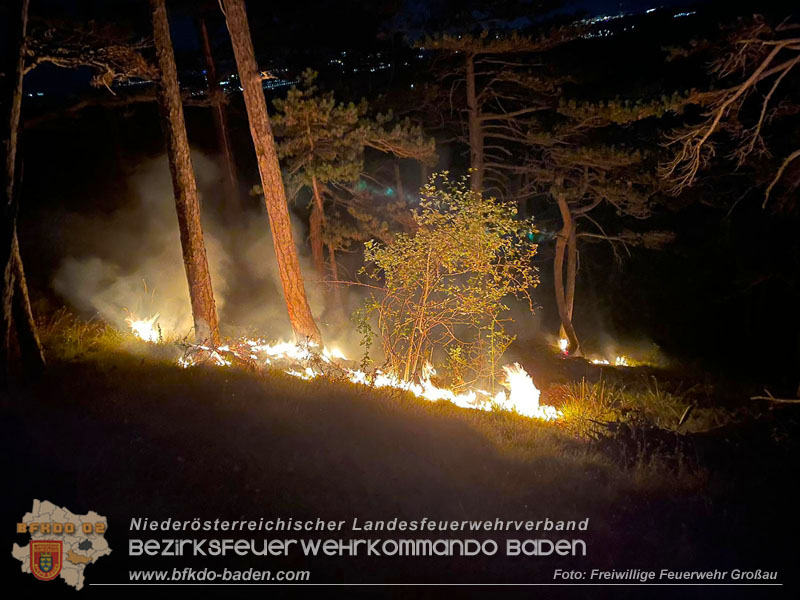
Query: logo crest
46,559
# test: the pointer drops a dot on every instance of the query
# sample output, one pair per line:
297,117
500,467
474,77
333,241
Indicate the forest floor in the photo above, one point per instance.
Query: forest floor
132,435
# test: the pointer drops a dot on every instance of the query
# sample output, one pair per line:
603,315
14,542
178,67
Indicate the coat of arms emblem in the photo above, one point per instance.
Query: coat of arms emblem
46,559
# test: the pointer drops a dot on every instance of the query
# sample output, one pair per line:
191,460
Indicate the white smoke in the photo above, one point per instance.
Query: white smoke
130,258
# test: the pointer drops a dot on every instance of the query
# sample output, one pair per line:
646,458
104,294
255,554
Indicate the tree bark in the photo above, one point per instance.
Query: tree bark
337,291
204,310
315,224
474,125
221,123
30,348
15,314
558,273
274,193
571,275
398,181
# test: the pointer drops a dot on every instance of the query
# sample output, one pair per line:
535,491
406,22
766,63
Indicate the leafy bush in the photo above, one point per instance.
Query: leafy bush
443,289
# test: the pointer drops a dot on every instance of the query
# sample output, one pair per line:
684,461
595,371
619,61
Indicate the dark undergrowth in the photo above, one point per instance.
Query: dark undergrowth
114,425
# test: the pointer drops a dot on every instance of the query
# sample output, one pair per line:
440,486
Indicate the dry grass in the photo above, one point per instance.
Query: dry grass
555,448
587,404
113,409
69,338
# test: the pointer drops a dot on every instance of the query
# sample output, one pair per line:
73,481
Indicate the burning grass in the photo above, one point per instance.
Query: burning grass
551,444
563,430
308,361
277,444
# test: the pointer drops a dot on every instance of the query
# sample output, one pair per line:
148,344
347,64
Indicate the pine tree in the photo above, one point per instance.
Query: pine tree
300,316
571,155
755,57
217,98
201,294
319,141
322,144
527,137
497,89
16,311
65,47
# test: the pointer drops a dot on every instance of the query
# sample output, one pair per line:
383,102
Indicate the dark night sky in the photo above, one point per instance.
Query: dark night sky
329,24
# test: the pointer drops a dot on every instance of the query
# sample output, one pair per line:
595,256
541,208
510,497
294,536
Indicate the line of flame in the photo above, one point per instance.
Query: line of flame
523,396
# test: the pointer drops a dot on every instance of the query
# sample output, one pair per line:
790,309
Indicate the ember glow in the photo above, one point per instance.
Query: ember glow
563,345
307,361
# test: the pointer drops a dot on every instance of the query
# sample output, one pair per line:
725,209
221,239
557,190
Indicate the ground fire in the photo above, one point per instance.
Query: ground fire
307,361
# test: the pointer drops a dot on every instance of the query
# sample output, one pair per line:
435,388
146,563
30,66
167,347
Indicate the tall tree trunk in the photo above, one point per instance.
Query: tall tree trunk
204,310
571,275
337,291
398,181
30,347
15,314
220,123
558,273
474,124
315,224
274,194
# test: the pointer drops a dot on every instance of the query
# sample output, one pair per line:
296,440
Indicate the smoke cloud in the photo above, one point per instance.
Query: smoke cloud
130,259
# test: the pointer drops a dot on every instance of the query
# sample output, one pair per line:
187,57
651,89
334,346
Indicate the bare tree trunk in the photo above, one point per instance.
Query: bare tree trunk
572,271
558,273
337,292
30,347
274,194
220,122
475,131
11,100
16,314
398,181
204,310
315,224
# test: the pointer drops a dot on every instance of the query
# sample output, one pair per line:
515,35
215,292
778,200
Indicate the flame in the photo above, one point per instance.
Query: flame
334,353
144,329
307,362
619,361
523,396
563,345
